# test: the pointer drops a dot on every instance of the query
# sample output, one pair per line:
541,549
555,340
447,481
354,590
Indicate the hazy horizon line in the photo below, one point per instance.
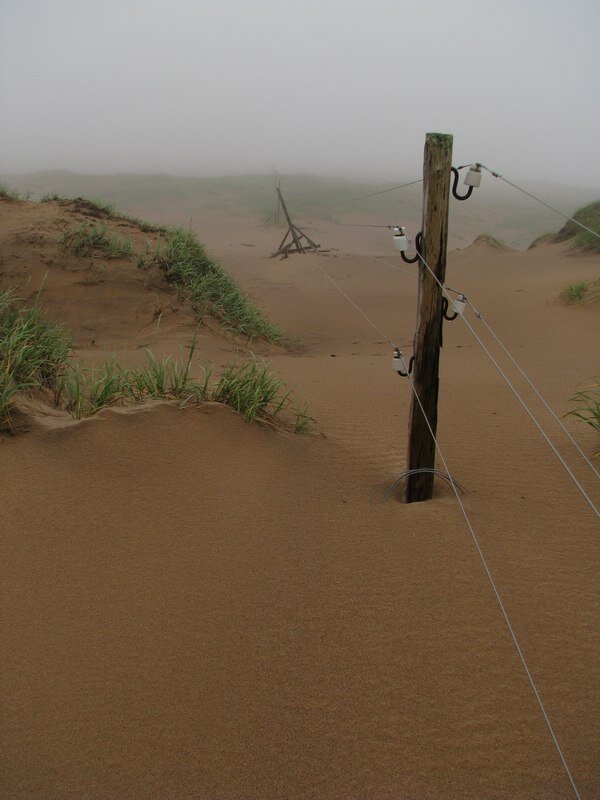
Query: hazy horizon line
333,176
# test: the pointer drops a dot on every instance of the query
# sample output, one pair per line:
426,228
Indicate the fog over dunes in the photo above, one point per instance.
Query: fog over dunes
335,88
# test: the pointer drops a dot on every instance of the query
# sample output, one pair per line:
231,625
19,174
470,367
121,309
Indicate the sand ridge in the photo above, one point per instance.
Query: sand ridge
195,607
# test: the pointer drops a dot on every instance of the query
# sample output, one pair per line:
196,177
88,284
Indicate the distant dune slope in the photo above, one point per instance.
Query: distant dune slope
496,209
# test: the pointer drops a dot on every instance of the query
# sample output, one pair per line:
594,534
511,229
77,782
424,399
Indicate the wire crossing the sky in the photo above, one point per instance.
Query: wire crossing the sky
385,191
537,199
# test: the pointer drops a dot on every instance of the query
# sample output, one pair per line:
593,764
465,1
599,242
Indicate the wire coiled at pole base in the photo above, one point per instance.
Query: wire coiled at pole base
397,481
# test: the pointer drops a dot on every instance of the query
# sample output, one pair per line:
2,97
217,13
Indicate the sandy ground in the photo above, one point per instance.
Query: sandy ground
193,607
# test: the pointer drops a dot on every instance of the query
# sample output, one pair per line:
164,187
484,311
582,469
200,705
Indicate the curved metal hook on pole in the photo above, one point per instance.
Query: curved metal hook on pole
408,368
445,306
455,193
415,258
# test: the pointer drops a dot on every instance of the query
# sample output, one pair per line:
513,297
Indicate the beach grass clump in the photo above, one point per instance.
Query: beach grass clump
89,238
143,224
6,193
152,254
167,378
97,206
33,353
50,197
210,289
249,388
85,391
36,357
32,350
582,292
587,405
252,390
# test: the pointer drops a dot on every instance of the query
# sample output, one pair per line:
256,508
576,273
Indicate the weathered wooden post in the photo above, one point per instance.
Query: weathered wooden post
297,236
437,164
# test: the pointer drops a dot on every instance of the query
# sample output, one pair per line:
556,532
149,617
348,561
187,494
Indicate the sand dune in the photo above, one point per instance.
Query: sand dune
196,607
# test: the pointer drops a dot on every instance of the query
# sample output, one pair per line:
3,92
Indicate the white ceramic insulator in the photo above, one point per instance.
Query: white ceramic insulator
398,364
401,243
473,177
459,304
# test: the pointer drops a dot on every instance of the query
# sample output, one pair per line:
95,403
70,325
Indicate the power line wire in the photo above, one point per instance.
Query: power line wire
384,191
480,342
494,588
361,225
519,398
473,535
480,316
397,267
351,301
538,200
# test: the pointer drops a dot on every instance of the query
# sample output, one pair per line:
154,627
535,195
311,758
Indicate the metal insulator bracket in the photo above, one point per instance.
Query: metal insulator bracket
399,364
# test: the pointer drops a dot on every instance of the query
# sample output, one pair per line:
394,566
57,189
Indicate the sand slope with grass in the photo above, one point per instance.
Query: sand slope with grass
193,606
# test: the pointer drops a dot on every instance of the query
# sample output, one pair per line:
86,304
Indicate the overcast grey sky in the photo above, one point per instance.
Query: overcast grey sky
336,87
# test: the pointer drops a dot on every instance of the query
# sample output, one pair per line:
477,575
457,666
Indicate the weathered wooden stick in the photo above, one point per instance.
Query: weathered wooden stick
437,164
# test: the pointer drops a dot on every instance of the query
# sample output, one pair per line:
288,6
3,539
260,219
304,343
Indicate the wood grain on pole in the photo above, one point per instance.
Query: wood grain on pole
437,164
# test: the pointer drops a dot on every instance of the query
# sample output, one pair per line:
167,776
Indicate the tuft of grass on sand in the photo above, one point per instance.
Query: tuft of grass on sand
249,388
587,408
153,253
210,289
143,224
12,195
35,356
33,353
87,238
582,292
96,205
49,197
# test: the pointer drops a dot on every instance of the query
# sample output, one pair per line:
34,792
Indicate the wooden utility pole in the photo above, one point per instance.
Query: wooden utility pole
437,164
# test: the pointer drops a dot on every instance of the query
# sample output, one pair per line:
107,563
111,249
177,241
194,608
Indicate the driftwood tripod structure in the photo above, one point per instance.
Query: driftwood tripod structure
299,241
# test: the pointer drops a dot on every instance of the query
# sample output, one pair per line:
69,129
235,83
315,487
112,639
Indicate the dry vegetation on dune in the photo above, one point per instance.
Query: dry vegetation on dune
36,358
37,355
